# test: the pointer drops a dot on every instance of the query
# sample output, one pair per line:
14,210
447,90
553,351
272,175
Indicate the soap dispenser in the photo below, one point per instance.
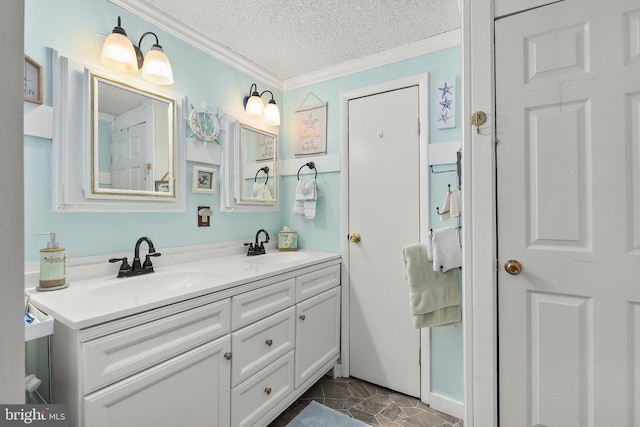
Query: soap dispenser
53,265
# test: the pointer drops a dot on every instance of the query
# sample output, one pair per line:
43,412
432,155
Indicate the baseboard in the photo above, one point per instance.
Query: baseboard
446,405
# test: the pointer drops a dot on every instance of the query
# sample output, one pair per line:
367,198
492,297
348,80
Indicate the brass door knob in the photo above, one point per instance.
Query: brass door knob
228,355
355,238
267,390
513,266
269,342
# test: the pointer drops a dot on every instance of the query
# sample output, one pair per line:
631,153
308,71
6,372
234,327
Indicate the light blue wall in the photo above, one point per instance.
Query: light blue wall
324,232
71,27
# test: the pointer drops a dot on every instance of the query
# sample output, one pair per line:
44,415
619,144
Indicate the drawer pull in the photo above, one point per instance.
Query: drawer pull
228,355
302,317
267,390
269,342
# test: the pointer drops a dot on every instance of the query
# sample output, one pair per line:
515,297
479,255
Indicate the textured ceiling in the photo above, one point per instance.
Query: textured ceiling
290,38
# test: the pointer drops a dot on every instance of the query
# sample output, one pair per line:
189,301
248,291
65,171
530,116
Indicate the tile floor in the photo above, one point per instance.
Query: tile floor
369,403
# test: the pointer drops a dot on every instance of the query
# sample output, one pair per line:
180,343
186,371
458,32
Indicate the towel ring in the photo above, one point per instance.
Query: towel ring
265,170
310,165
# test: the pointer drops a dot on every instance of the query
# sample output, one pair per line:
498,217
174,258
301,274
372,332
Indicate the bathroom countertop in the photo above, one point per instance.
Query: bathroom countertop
90,302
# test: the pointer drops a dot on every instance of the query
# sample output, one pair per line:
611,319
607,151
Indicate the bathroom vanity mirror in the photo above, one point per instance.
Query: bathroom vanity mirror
118,143
258,165
133,140
250,165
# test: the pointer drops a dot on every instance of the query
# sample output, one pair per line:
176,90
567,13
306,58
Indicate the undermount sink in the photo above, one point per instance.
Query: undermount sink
277,258
152,283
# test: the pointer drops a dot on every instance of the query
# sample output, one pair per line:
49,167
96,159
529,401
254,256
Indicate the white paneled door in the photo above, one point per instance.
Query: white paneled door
129,158
384,210
568,155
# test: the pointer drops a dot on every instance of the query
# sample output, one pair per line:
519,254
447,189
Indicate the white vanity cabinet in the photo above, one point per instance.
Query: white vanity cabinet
236,356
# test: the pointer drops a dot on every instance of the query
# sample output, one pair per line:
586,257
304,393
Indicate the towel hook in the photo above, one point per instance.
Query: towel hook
310,165
440,171
265,170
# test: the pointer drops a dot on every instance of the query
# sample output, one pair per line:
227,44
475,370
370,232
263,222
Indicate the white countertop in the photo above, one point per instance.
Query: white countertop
90,302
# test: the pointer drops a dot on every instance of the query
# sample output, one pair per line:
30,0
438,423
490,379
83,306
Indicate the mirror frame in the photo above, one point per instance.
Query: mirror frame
72,144
231,168
97,192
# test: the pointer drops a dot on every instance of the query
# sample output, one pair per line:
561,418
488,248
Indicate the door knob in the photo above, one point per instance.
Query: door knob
355,238
513,266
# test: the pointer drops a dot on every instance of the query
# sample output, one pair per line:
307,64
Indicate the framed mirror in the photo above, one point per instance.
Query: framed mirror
133,140
249,166
118,144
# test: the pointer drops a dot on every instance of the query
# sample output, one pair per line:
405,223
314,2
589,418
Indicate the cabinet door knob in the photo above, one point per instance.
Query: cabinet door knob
302,317
267,390
228,355
269,342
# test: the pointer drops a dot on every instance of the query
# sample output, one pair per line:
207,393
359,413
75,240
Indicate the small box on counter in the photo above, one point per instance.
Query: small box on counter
287,240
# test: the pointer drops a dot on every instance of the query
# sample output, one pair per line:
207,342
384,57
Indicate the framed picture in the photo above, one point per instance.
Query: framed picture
311,130
32,81
204,180
162,186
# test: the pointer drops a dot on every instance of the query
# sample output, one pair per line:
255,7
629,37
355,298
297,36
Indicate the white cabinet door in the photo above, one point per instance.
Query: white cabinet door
191,389
317,333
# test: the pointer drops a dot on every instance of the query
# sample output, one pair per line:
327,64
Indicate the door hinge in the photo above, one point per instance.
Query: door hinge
418,127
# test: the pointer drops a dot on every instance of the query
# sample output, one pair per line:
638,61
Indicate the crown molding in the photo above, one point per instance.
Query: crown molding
213,48
199,40
412,50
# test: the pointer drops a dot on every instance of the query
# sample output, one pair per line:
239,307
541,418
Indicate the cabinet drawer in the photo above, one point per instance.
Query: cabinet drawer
257,345
119,355
259,394
250,306
313,283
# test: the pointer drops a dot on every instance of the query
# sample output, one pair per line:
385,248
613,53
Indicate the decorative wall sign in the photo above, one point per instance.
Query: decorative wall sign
446,103
311,130
32,81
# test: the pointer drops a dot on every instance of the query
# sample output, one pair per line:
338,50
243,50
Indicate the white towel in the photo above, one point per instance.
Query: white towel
434,297
444,211
305,199
454,203
429,244
446,249
451,205
261,191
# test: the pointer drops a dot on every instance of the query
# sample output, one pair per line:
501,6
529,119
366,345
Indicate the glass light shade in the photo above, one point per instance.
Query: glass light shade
272,113
255,106
118,53
157,68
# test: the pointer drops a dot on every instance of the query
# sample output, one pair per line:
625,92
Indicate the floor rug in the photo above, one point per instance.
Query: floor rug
317,415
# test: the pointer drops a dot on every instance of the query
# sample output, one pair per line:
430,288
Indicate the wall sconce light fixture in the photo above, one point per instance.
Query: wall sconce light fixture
254,105
118,53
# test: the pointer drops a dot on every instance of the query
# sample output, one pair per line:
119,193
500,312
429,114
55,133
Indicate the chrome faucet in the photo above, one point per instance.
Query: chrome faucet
254,249
137,268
